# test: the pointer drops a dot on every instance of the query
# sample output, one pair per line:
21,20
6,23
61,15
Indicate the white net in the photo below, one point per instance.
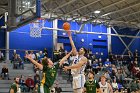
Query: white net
36,28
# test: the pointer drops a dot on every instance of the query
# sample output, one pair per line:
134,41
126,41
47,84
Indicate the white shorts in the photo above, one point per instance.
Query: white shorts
41,89
78,81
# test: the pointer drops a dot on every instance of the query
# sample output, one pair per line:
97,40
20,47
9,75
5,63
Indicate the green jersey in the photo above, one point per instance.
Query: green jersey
91,86
49,75
14,87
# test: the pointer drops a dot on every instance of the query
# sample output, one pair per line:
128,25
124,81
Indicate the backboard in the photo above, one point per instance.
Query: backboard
21,12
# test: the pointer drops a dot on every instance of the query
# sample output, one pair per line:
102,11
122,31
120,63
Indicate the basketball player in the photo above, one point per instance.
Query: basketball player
104,86
15,86
77,67
49,71
91,85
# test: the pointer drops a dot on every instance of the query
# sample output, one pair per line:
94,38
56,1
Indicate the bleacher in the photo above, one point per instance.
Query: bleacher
28,70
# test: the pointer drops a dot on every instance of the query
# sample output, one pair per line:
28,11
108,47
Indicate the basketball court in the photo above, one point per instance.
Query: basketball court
104,27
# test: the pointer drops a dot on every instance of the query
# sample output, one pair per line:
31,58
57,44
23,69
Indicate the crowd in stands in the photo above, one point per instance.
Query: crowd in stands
122,72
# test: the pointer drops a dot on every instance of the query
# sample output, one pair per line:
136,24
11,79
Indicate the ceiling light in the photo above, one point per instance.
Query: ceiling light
97,12
28,3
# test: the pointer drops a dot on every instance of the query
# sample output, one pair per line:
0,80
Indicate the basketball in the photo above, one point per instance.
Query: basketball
66,26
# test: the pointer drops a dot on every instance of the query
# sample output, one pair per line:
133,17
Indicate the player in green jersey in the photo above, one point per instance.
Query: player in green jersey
15,86
91,85
49,71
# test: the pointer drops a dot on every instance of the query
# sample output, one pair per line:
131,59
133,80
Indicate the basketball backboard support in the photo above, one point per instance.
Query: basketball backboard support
22,12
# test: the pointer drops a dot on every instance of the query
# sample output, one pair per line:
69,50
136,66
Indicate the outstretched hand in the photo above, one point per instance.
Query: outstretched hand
65,68
69,33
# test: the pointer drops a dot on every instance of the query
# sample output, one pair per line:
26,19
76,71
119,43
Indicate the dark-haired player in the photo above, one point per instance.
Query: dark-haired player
77,67
49,72
15,86
91,85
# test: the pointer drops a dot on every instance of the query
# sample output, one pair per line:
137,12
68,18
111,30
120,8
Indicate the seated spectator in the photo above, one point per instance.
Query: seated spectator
39,56
107,63
115,85
134,86
120,86
45,52
57,88
138,82
14,56
37,78
106,74
25,59
1,56
30,83
5,72
15,86
17,62
95,66
22,84
32,55
35,68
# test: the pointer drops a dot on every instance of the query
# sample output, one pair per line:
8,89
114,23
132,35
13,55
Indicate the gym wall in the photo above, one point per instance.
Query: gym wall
2,34
118,47
20,39
94,42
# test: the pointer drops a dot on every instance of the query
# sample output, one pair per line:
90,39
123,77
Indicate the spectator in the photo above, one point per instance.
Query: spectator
138,82
57,88
136,54
1,56
25,59
22,84
15,86
61,49
134,86
95,66
14,56
32,55
107,63
40,56
17,62
115,85
61,52
106,74
35,68
30,83
37,78
45,52
5,72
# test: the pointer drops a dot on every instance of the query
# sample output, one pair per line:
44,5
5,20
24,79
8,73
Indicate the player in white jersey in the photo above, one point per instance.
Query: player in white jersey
77,67
104,86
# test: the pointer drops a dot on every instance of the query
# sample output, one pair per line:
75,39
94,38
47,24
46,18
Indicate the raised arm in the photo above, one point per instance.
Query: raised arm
78,65
72,43
64,58
34,62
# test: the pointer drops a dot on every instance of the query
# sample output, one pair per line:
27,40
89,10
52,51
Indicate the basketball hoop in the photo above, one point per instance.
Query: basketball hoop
36,28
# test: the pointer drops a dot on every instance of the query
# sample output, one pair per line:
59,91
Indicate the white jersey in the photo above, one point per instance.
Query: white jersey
104,88
78,71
